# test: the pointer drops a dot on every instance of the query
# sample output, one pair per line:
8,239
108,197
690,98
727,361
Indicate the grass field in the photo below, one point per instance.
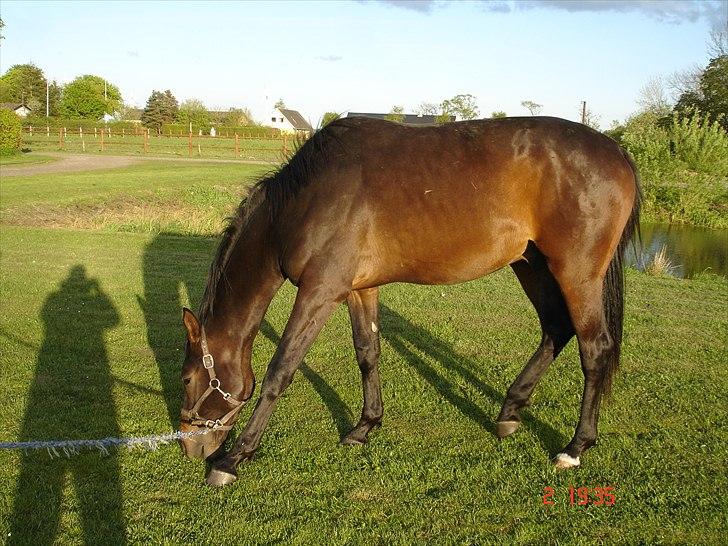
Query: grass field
92,343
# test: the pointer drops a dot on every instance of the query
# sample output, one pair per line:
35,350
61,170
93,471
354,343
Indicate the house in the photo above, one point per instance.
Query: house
288,121
408,119
21,109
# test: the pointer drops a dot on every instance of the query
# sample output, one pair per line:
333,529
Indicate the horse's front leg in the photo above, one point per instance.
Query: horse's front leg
310,311
364,314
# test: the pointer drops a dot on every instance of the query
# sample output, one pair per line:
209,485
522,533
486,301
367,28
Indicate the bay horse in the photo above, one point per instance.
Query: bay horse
366,202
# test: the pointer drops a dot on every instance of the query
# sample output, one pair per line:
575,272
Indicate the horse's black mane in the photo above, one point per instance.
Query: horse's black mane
274,190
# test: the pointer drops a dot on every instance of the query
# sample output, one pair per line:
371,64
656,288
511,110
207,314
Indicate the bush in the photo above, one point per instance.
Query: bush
41,122
684,168
248,131
10,132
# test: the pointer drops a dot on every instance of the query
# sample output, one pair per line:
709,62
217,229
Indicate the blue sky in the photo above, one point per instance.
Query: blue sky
368,55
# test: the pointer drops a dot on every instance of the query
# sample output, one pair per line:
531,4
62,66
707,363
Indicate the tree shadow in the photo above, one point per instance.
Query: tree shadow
72,382
400,332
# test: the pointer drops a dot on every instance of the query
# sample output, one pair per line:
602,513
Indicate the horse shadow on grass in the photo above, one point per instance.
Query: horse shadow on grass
401,334
71,397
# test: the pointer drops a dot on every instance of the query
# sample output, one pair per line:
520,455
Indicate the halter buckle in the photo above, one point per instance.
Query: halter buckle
207,359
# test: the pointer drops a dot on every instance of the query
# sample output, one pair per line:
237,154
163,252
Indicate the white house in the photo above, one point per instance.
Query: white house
20,109
288,121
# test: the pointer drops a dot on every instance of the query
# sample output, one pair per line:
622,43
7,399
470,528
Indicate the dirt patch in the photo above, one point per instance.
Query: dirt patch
69,163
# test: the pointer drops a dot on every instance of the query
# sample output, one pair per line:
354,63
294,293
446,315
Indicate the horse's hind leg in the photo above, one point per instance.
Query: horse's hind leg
597,349
364,314
545,295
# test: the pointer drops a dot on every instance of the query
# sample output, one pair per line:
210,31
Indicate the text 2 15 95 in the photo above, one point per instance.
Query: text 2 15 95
580,496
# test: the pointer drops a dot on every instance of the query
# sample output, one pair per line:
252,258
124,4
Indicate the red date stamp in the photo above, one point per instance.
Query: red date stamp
580,496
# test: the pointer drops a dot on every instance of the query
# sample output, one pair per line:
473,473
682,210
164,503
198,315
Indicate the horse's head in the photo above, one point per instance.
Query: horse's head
216,388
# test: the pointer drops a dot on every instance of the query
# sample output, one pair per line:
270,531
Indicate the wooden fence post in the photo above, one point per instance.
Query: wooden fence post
102,140
237,145
31,130
190,144
48,131
146,142
60,139
94,132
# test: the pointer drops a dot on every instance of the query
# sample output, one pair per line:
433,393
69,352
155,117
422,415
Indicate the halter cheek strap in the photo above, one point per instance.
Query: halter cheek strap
192,415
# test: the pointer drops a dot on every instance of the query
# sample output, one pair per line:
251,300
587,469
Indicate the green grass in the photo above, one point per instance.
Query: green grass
26,159
96,352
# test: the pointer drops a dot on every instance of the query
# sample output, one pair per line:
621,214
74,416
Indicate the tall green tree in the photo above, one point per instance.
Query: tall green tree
90,97
194,112
24,83
711,96
161,108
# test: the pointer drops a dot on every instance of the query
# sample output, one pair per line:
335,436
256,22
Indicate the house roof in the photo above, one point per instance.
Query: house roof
296,119
14,105
409,119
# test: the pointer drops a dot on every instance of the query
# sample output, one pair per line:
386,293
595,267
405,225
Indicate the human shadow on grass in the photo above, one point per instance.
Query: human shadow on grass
402,334
71,398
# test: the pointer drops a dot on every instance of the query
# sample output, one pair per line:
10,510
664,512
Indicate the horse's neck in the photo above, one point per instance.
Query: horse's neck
250,280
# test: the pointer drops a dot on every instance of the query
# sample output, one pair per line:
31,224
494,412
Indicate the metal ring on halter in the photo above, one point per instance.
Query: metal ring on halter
212,386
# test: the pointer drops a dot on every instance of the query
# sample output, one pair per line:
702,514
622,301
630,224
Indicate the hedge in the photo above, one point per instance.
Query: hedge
10,132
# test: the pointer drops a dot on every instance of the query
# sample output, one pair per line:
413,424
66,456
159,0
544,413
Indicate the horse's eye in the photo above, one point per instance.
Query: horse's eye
186,380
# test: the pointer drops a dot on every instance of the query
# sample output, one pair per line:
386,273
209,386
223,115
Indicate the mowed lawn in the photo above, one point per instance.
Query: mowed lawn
94,270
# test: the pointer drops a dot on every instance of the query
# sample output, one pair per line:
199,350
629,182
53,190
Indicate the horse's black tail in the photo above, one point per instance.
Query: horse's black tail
613,293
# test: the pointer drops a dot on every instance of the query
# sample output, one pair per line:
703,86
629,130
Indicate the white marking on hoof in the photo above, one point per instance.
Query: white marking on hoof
564,460
374,328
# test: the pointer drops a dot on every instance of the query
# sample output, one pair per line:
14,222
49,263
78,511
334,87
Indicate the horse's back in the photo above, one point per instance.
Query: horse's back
455,202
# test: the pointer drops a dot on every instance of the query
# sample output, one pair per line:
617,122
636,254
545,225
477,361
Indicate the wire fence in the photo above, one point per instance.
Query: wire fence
140,141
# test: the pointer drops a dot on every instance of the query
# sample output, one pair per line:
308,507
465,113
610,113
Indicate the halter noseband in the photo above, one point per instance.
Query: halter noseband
192,415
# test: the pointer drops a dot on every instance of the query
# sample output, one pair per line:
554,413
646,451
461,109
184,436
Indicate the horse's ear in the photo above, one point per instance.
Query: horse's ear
191,324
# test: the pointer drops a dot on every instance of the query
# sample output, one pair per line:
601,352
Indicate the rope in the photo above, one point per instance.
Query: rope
74,447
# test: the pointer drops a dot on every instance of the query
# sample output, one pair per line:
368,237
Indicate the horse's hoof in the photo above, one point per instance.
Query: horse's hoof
506,428
219,478
566,461
352,441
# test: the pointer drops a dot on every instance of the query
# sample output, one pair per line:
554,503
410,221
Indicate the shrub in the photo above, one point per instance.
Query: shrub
10,132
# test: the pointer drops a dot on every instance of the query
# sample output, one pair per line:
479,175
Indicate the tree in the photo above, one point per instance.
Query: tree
498,114
711,94
532,107
396,114
279,104
328,118
427,109
24,83
460,106
192,111
653,98
161,108
90,97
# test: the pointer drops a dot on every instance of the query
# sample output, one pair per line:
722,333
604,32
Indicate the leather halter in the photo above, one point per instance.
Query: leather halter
192,415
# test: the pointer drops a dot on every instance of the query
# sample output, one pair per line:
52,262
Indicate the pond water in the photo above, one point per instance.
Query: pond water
691,250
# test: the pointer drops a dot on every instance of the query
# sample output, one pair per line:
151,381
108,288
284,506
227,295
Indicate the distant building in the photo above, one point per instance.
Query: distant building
288,121
409,119
20,109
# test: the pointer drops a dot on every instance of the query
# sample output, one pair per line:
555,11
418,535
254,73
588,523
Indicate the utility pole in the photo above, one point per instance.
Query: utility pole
47,100
583,112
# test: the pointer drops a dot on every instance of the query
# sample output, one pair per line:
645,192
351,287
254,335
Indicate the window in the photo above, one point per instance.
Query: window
281,120
273,120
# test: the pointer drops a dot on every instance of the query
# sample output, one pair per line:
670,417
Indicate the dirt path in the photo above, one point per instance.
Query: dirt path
66,163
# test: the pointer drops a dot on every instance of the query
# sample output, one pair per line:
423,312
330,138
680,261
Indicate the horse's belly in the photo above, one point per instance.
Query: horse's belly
448,264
